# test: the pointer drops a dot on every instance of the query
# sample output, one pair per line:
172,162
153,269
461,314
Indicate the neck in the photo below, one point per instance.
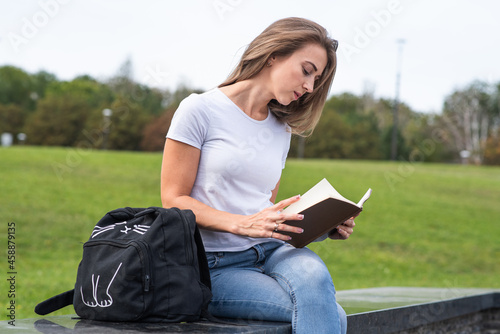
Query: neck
249,96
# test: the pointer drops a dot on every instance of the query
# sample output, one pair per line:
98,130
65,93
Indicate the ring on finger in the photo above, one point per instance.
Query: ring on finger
276,225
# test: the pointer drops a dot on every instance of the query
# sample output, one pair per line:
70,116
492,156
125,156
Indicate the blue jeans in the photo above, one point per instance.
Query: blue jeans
276,282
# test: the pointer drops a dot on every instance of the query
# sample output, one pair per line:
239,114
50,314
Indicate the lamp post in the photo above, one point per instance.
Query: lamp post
394,141
21,137
106,113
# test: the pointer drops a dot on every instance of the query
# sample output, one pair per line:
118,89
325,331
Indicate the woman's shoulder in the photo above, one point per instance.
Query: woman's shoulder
203,98
198,107
211,102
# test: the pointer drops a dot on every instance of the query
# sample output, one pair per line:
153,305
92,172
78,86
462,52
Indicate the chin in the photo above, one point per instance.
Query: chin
284,102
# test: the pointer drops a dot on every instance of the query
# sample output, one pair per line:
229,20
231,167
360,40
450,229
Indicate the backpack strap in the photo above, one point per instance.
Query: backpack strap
55,303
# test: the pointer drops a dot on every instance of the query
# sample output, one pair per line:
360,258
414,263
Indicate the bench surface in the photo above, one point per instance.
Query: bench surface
375,308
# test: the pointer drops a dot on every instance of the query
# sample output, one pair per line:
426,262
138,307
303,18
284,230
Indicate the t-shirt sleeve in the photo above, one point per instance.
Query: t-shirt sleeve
190,122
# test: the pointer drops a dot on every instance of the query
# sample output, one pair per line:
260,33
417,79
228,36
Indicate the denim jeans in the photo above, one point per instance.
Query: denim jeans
276,282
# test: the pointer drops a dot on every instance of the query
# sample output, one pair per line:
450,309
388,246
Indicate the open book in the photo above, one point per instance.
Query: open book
323,209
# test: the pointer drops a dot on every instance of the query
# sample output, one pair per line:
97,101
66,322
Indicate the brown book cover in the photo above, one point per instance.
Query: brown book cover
323,209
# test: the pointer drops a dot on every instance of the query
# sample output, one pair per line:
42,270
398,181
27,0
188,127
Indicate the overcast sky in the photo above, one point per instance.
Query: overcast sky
448,43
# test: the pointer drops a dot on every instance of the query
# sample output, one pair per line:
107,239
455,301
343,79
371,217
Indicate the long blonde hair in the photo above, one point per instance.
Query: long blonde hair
282,38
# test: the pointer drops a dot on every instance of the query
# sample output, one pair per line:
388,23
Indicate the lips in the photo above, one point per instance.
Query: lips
297,95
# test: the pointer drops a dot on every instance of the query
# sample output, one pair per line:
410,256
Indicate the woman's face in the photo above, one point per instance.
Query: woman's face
293,76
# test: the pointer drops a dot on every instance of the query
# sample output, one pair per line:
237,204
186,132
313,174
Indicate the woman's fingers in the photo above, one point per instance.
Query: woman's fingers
349,222
278,207
284,203
344,230
268,223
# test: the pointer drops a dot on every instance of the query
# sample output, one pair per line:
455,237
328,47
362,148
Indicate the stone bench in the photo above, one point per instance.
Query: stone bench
421,310
376,310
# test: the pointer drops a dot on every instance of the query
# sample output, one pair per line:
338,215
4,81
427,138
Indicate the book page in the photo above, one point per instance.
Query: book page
365,198
321,191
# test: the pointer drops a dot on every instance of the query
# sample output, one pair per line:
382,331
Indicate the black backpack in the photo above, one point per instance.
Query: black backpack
145,265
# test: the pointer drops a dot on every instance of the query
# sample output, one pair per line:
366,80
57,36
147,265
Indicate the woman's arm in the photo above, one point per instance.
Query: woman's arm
178,173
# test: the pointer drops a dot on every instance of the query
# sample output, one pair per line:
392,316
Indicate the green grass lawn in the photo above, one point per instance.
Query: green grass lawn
426,225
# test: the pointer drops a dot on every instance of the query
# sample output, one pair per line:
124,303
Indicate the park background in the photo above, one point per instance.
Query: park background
87,92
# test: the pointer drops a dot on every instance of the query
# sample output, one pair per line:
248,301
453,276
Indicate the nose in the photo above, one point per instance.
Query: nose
309,85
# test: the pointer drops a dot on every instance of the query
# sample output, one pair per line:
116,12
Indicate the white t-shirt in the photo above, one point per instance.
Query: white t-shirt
240,163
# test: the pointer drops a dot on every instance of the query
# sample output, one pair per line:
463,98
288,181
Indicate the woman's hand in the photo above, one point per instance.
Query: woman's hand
344,230
268,223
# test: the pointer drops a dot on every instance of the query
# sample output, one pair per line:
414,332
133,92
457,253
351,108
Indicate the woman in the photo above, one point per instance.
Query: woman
223,158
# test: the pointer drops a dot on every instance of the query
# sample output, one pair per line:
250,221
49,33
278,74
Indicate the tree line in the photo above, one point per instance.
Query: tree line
121,114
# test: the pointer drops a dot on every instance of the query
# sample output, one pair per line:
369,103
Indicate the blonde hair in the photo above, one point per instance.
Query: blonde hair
282,38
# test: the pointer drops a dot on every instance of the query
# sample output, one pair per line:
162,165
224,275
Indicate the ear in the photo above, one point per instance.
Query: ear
271,60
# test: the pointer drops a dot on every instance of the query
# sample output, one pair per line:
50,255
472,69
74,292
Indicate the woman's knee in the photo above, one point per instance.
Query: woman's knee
312,269
302,268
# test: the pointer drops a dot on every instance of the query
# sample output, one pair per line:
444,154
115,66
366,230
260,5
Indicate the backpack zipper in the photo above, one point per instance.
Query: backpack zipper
145,250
